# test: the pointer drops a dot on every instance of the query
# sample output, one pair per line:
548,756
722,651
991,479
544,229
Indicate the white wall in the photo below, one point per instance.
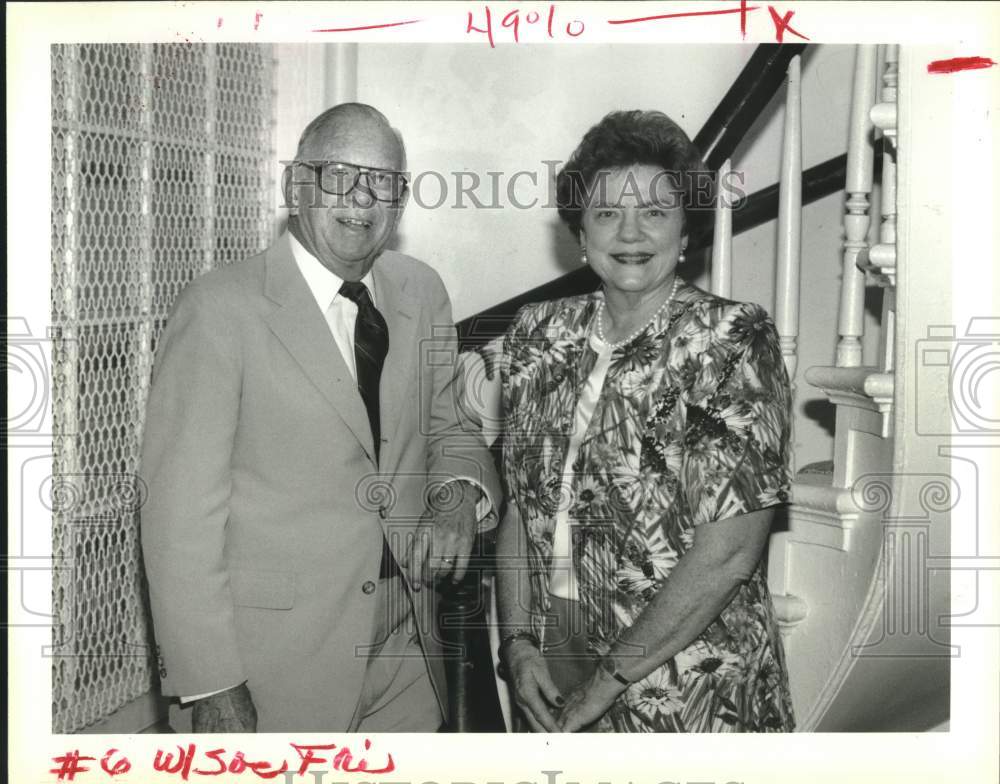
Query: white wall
470,108
300,94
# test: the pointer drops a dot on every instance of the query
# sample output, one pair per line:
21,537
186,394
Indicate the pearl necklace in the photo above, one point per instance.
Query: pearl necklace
634,335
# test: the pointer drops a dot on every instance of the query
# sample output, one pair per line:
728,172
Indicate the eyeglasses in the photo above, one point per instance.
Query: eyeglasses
338,178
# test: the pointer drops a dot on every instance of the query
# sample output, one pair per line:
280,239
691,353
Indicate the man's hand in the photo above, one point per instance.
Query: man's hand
228,711
444,538
534,690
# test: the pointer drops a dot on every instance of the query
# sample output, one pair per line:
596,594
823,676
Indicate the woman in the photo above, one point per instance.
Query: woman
646,431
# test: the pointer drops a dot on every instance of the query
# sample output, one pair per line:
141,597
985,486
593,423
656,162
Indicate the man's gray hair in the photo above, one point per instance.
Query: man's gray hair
330,117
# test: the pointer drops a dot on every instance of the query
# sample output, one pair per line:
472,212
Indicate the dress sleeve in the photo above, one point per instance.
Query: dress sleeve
509,363
737,427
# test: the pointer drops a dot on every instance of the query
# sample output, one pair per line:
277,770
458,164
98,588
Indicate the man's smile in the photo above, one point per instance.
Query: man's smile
354,223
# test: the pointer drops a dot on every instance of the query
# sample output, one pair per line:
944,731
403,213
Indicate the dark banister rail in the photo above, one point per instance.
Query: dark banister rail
473,702
743,103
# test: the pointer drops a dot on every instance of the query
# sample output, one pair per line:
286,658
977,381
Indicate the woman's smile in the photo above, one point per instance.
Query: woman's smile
631,258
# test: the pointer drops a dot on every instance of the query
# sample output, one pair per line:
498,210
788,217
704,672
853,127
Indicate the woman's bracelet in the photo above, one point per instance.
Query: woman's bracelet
509,639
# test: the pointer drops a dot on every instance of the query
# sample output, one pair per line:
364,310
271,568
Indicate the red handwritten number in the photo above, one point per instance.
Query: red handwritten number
505,22
121,766
512,21
469,28
69,765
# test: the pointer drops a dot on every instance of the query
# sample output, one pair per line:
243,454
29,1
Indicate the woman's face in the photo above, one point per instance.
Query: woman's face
632,229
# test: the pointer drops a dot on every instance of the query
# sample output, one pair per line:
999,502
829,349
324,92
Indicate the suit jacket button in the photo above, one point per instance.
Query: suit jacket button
368,587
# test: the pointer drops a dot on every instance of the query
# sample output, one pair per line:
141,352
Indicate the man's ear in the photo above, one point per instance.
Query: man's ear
286,189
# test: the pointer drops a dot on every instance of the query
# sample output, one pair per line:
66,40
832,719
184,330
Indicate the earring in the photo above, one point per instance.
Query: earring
680,258
583,256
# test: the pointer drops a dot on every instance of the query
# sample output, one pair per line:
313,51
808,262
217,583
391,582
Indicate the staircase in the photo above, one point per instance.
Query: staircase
860,575
858,567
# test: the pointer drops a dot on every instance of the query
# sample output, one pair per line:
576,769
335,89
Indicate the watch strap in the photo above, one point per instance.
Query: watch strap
609,666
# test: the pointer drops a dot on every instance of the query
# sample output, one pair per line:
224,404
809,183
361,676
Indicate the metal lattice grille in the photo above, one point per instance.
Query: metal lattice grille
162,168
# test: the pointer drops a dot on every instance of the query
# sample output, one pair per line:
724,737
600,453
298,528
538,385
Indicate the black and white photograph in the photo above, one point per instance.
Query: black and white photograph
518,371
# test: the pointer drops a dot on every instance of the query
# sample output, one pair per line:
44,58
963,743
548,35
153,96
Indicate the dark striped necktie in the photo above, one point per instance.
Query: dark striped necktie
371,344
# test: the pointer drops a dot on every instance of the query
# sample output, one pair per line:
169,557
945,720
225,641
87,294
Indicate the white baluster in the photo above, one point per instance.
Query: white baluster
790,224
722,245
882,256
789,609
860,156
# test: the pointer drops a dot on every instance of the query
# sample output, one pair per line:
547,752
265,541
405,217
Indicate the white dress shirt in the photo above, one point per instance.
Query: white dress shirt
340,312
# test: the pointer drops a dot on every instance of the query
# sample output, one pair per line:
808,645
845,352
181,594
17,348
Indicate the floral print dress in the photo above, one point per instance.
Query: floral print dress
691,426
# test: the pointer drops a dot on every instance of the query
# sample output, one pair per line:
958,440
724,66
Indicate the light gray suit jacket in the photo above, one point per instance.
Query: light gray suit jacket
265,515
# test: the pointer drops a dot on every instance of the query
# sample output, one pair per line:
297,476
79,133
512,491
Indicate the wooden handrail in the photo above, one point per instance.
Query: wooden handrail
743,103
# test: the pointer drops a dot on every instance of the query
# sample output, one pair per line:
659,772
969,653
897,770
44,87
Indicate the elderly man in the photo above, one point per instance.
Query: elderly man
309,475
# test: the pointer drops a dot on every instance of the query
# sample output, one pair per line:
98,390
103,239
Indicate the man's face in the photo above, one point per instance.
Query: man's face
347,233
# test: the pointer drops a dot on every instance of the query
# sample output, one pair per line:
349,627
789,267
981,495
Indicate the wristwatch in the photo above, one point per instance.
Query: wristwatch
608,666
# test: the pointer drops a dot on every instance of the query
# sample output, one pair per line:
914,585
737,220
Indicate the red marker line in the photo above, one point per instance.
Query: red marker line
688,13
367,27
959,64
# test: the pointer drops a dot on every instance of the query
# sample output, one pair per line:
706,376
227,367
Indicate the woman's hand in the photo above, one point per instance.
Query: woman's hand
534,690
589,701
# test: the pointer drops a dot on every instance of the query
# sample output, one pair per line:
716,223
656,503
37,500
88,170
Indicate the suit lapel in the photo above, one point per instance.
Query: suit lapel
401,314
302,329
